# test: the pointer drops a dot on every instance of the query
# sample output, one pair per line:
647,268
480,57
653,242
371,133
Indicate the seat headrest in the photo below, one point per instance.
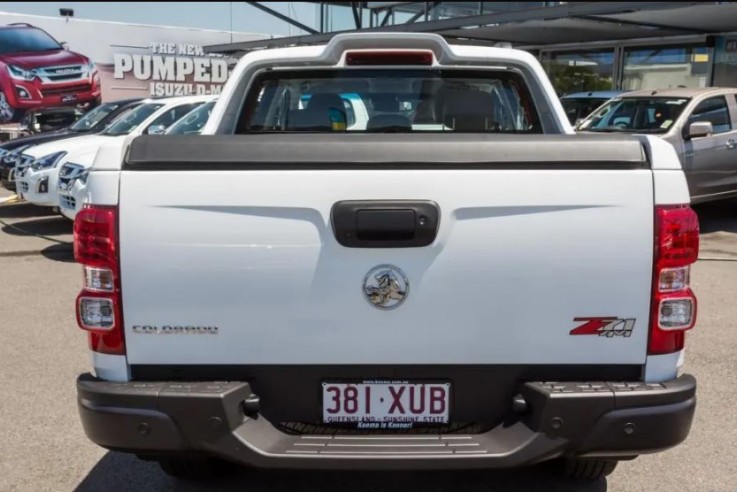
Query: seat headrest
467,110
323,101
324,112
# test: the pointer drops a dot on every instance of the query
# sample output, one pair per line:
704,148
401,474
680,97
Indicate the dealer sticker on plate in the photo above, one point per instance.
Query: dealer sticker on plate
385,404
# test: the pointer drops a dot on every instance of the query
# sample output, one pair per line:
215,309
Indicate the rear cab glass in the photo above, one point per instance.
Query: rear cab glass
389,100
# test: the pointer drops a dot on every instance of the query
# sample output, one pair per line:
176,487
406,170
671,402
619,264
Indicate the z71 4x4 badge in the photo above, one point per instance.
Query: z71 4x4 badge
604,327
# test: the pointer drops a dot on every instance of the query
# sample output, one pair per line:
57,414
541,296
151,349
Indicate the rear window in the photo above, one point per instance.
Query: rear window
371,100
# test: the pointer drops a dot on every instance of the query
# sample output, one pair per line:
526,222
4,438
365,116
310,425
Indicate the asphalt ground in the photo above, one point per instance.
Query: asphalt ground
43,446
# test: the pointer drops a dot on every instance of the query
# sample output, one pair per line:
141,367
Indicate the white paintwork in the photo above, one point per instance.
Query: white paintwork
109,367
669,183
254,254
83,153
33,178
660,368
501,284
102,187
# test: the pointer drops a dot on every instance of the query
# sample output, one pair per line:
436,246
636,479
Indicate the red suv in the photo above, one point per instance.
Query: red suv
36,73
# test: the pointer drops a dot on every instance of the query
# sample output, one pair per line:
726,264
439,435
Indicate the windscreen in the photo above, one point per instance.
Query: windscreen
381,100
129,120
26,40
578,109
636,115
94,116
192,122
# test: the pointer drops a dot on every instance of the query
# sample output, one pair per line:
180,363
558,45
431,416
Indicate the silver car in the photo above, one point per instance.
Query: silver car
700,123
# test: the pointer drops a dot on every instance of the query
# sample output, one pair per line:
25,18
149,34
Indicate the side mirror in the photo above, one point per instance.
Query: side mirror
64,45
699,129
156,130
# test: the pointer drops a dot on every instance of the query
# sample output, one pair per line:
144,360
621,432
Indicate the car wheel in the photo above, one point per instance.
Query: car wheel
6,111
585,469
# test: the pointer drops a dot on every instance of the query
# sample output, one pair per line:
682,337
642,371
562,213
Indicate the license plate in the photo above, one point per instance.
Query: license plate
69,98
385,405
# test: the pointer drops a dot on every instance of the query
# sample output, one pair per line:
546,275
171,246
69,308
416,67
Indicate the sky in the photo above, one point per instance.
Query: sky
203,15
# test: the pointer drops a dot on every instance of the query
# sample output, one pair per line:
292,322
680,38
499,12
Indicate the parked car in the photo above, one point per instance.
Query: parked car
36,72
700,123
579,105
93,121
38,182
72,183
192,122
491,254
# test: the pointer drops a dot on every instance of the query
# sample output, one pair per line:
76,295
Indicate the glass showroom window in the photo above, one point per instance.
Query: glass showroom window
725,62
663,67
579,71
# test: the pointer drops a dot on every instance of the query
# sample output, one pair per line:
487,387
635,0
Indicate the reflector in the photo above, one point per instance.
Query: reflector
96,313
99,279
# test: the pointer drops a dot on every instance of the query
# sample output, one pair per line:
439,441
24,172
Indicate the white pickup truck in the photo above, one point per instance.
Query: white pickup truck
460,283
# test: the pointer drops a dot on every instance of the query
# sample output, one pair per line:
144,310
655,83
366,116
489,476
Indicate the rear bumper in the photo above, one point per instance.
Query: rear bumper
575,419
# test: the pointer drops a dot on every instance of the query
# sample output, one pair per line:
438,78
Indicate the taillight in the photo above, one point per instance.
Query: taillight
391,57
99,304
673,302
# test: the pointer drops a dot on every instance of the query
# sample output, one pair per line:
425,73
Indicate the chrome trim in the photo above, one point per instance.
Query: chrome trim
61,73
22,164
68,174
385,287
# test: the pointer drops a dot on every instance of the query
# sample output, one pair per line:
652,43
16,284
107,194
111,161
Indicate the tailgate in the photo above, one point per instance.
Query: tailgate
229,254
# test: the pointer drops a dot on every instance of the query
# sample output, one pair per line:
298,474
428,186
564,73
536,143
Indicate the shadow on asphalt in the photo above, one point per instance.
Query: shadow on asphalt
51,226
717,217
118,471
59,252
23,210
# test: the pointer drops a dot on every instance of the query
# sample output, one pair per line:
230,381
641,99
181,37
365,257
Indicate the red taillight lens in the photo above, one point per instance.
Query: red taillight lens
374,58
99,304
94,237
673,302
678,231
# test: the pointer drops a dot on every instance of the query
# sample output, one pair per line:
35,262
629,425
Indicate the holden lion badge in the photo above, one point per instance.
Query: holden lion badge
385,286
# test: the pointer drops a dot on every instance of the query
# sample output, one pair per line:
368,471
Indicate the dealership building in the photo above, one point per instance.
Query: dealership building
584,46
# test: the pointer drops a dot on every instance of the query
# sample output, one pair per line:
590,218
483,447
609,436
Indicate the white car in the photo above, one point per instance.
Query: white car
72,183
37,177
463,283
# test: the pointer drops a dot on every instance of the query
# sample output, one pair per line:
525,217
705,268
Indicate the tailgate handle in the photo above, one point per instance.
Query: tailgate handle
385,223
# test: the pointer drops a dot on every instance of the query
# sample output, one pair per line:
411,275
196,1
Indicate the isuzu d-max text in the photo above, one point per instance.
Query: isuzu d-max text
460,283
